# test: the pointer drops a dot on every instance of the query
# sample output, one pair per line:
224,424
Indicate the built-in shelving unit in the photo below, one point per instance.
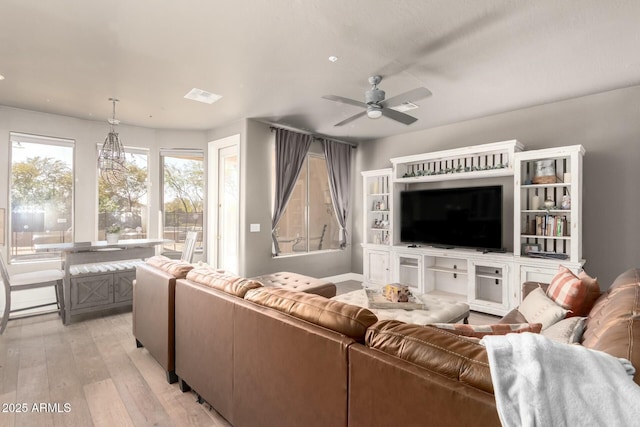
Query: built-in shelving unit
378,200
479,161
488,282
548,203
377,225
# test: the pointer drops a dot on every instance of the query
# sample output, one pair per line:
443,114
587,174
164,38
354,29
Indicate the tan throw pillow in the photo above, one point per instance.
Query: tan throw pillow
479,331
568,291
567,331
593,292
537,307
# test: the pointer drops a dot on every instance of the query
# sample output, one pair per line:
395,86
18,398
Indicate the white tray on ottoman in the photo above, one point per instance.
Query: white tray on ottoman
436,310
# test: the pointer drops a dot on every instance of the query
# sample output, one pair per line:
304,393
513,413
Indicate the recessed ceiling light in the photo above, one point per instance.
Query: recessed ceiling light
1,77
404,107
333,58
202,96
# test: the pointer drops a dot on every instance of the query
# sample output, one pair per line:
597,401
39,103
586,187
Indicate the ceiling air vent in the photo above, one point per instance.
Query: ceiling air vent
202,96
405,106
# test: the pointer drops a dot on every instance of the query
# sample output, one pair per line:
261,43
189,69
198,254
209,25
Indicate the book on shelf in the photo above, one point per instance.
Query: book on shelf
550,225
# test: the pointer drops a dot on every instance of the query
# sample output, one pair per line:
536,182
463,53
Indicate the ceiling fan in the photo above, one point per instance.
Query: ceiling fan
376,106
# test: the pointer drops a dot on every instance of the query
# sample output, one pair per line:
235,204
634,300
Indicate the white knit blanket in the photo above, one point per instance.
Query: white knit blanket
538,382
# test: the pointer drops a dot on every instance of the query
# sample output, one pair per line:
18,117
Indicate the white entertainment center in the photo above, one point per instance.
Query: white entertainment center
550,233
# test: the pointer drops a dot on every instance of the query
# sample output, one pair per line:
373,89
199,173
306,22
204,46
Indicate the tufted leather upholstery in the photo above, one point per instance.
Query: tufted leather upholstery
298,282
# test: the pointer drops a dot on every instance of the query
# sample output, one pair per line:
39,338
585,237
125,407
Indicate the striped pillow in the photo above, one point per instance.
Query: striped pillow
479,331
568,291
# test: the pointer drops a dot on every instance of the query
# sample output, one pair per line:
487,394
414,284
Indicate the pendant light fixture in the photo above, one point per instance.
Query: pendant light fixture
111,158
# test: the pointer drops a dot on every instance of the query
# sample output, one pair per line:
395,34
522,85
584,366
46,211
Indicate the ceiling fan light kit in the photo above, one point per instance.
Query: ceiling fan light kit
374,112
376,106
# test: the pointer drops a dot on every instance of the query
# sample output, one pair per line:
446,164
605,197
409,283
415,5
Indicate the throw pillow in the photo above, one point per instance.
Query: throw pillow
568,291
567,331
537,307
479,331
593,292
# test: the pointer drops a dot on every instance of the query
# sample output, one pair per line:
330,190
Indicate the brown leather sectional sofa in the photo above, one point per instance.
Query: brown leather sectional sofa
271,357
266,356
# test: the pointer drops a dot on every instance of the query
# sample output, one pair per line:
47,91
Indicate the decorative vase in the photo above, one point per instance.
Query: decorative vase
113,237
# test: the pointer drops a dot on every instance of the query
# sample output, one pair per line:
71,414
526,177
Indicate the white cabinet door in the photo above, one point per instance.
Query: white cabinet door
376,267
489,287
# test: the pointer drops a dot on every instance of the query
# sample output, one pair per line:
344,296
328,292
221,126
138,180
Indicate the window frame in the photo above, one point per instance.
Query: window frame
19,137
128,150
307,171
181,152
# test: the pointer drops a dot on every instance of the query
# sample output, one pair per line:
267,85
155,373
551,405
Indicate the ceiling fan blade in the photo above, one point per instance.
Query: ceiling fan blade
412,95
398,116
345,101
350,119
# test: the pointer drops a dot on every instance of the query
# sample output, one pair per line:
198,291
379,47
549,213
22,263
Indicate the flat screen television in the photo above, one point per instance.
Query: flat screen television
453,217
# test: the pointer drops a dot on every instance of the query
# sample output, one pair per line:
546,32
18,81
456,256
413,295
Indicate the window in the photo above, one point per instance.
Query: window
182,197
41,194
309,223
126,204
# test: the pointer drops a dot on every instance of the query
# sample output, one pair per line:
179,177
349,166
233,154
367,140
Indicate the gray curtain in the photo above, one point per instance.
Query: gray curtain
338,158
291,150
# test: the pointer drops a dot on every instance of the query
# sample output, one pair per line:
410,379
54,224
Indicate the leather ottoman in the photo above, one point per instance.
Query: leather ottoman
298,282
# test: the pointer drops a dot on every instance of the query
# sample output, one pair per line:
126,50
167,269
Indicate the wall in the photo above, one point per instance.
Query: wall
86,134
606,124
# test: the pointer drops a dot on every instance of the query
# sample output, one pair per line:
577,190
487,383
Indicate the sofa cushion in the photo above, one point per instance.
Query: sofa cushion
176,268
439,351
537,307
222,281
613,325
567,331
479,331
346,319
568,291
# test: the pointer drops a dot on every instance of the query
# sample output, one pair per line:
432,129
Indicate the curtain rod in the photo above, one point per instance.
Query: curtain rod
353,145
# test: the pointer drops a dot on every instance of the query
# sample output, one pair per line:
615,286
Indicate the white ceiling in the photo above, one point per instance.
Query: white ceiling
269,59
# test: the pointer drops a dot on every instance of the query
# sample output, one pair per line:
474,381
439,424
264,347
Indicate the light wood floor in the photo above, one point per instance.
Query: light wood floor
94,367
